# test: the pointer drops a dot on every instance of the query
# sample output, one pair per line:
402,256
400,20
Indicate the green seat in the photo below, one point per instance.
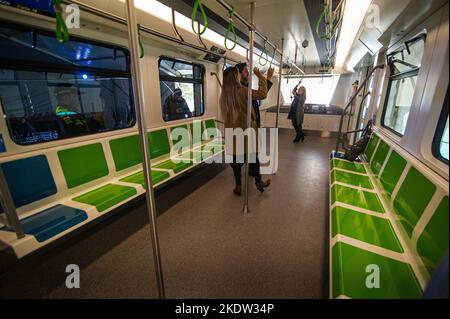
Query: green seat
377,241
211,129
159,143
349,166
138,178
356,198
175,167
126,152
356,180
392,172
107,196
351,270
379,158
83,164
197,132
367,228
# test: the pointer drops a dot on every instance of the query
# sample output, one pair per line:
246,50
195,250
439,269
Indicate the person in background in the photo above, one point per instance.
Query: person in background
68,109
297,112
176,107
233,105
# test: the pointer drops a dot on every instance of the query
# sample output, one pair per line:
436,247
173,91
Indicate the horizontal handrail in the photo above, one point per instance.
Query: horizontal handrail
353,98
122,21
228,7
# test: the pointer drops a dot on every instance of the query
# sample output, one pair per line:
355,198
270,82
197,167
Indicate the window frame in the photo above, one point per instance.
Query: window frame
167,78
15,65
443,118
400,76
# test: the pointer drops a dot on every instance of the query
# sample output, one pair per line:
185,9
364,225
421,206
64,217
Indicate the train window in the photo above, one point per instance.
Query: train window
51,91
441,139
404,66
181,89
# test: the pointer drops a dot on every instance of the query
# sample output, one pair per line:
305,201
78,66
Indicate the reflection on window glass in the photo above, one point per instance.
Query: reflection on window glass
51,91
41,106
405,68
444,143
181,89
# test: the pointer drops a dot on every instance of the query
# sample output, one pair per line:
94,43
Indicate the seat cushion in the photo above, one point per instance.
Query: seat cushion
348,166
175,167
367,228
356,198
351,179
352,267
52,221
107,196
138,178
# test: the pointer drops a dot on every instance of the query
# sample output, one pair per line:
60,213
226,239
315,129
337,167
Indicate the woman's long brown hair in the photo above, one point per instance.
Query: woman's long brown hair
229,99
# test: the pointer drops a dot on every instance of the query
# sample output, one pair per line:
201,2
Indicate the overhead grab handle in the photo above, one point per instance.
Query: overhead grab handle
264,52
326,13
231,29
141,46
273,56
62,32
198,6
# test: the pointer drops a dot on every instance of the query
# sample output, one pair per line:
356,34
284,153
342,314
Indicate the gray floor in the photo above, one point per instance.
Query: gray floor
209,249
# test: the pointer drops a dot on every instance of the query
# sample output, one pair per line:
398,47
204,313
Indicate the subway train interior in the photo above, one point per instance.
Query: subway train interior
116,178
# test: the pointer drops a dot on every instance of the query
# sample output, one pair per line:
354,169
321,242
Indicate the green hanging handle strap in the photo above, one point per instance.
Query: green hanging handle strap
62,32
141,45
232,30
263,52
327,35
198,6
273,57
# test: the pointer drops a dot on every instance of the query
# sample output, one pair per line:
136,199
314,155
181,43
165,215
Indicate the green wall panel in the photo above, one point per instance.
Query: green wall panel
197,131
183,138
83,164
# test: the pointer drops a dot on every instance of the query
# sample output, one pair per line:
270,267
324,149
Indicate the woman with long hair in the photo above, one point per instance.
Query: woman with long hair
297,112
233,105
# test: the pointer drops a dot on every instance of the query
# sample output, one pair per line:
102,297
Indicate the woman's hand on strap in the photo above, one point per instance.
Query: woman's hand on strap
258,73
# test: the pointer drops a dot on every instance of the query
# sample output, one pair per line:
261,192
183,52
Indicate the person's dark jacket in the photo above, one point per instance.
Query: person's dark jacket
297,111
256,103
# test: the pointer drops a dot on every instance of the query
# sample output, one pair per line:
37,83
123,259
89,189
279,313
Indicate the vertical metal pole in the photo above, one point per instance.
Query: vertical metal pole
142,126
8,206
279,84
249,101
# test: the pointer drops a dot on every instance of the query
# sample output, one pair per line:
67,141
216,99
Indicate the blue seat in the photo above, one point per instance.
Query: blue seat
52,222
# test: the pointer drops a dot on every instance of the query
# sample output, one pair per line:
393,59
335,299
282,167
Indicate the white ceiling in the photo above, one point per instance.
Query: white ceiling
277,19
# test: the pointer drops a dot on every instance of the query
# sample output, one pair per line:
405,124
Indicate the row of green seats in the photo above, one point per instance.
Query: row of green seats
364,237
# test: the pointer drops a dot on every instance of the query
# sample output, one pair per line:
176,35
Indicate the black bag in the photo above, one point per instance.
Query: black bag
359,147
